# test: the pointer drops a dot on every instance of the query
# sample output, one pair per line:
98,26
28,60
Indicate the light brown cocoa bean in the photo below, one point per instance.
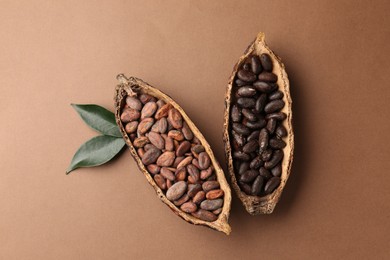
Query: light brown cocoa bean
176,191
157,140
205,215
148,110
166,159
175,118
189,207
214,194
160,181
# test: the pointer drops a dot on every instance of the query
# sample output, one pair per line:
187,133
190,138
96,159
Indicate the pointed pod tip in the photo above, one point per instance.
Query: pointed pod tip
260,37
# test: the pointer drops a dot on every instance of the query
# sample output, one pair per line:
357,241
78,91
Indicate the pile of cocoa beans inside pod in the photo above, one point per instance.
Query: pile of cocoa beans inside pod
173,156
256,126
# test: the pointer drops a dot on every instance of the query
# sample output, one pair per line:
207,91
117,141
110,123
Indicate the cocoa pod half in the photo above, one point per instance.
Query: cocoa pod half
169,166
259,69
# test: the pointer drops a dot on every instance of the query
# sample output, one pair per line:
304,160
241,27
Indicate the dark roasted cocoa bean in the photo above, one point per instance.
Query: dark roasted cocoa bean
166,159
260,103
189,207
205,215
271,185
245,187
239,139
241,129
241,156
134,103
244,166
273,106
267,76
271,125
253,136
256,186
266,155
204,161
148,110
183,148
264,87
265,173
256,64
145,125
129,114
236,114
246,75
176,191
276,95
188,135
263,140
246,102
211,204
248,176
183,199
175,118
151,156
250,146
214,194
153,168
281,131
266,62
210,185
246,91
255,125
276,158
239,82
248,114
280,116
167,174
277,170
256,163
156,140
277,143
246,66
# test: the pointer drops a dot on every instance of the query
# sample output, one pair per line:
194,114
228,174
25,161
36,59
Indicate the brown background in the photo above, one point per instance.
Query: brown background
53,53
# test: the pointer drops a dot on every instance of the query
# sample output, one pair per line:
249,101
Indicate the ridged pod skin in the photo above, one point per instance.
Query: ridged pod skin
265,204
127,87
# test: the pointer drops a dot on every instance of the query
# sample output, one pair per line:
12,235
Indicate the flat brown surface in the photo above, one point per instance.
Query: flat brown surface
336,203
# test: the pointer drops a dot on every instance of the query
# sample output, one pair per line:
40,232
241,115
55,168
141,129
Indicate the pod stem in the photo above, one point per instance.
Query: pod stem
128,83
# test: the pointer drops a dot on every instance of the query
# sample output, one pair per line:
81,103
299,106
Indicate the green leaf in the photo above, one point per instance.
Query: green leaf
96,151
98,118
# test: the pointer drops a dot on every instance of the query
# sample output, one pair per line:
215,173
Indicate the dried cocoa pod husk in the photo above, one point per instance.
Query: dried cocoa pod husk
265,204
128,87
